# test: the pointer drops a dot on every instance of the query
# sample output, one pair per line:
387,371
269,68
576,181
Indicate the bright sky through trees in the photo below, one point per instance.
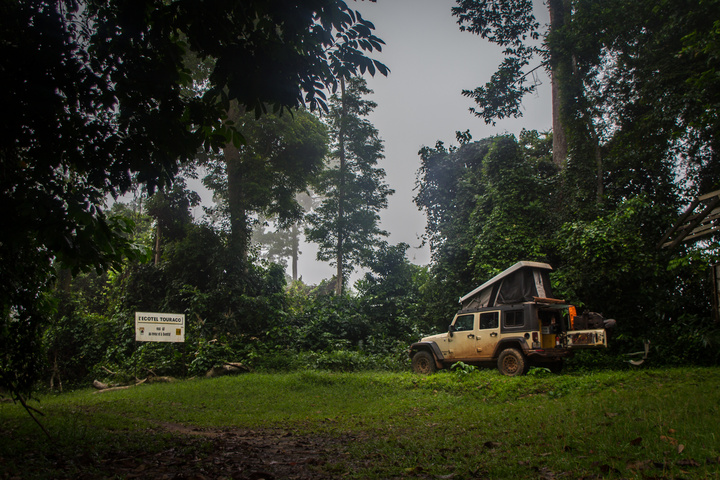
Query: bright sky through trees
420,102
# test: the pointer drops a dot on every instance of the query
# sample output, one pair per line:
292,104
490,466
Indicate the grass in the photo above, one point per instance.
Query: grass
630,424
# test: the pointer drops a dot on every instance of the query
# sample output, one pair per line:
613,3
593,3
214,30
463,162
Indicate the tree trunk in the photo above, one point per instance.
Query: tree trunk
341,191
560,149
295,250
560,73
239,231
157,244
55,374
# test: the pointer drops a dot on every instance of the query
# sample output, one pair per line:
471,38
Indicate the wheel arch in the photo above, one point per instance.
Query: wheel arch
430,347
511,342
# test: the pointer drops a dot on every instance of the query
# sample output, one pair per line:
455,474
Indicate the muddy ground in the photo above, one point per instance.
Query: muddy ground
200,454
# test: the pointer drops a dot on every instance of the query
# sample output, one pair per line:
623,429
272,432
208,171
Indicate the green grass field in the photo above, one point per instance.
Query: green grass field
630,424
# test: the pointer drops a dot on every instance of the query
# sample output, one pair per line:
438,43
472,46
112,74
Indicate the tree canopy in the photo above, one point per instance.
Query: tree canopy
281,154
632,88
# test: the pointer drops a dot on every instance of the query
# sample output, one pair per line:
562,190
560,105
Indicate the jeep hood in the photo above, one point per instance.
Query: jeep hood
435,338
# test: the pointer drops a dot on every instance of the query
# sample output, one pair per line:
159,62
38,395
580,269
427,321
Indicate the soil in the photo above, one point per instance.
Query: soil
206,454
245,455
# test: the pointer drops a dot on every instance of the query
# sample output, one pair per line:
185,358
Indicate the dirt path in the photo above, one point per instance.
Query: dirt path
233,454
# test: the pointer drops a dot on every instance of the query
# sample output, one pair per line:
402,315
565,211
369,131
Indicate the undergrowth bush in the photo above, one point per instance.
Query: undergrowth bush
208,354
341,360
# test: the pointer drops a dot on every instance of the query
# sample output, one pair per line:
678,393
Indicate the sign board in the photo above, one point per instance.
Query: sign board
159,327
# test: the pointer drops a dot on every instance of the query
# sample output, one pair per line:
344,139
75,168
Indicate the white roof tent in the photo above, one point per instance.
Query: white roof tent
523,282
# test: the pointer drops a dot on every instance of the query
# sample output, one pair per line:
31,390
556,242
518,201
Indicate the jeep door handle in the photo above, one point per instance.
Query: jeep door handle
470,335
494,334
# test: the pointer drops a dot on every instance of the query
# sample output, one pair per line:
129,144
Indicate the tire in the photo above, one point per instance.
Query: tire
512,363
423,363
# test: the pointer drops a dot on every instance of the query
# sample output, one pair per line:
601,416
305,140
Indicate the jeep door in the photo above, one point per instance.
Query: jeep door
488,334
461,342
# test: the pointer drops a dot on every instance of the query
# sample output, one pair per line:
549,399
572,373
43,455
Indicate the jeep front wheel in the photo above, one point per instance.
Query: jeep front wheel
511,362
423,363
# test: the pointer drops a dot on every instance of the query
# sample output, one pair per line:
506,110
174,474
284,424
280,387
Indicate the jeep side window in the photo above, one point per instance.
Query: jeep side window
465,322
514,318
489,320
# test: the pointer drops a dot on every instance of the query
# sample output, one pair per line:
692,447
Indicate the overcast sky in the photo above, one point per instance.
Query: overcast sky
420,102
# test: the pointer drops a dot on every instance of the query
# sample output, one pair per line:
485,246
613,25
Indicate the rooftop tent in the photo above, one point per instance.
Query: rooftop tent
523,282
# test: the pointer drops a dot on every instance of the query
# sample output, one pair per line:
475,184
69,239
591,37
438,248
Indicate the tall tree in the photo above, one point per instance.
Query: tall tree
512,25
278,243
280,156
651,74
346,225
448,185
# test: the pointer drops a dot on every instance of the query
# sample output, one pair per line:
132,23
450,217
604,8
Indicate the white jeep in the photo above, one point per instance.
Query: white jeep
512,321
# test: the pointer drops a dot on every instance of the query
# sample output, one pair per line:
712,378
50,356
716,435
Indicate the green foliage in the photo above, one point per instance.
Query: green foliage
611,265
612,256
196,275
498,201
513,218
539,371
232,314
489,204
331,322
462,368
510,24
279,241
171,209
634,92
389,294
74,345
208,354
157,359
340,361
279,156
448,184
658,118
691,340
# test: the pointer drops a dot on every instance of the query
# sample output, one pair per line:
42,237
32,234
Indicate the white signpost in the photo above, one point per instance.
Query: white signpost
159,327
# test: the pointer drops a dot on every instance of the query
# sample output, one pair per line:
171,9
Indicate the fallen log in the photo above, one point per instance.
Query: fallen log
100,385
103,387
160,379
111,389
227,368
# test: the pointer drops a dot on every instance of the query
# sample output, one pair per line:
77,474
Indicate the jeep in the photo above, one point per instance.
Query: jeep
512,321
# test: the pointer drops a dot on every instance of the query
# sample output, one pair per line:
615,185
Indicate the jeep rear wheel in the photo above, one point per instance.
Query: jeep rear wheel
423,363
511,362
